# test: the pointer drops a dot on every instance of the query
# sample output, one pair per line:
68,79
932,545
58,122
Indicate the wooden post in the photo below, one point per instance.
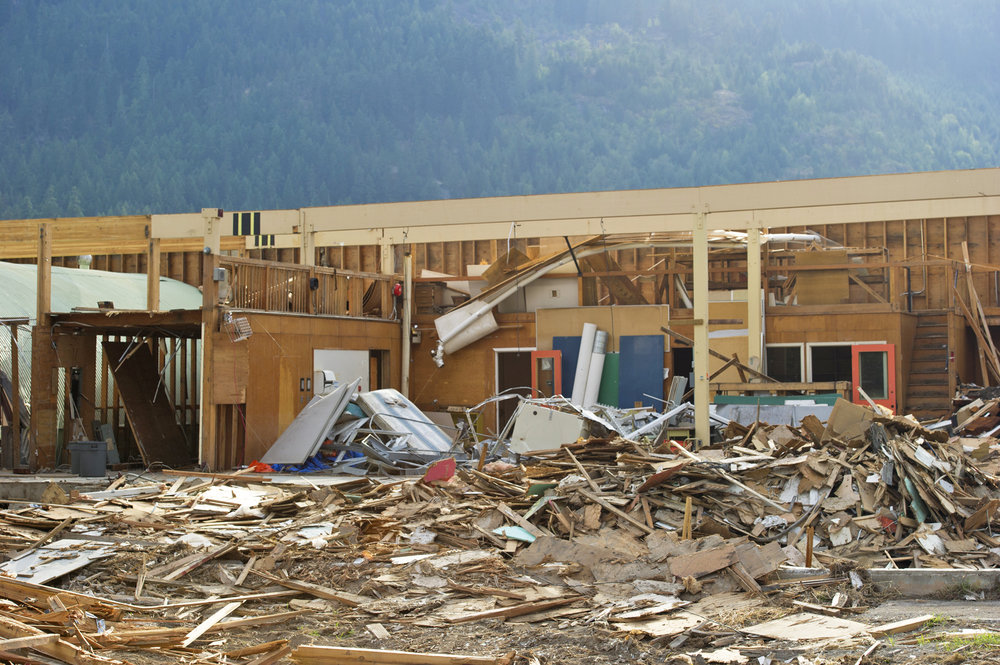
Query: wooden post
407,323
809,547
43,302
213,230
153,275
307,249
754,300
702,426
686,527
209,325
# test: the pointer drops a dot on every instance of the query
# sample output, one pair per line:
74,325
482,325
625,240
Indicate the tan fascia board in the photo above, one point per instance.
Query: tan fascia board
731,207
735,221
743,200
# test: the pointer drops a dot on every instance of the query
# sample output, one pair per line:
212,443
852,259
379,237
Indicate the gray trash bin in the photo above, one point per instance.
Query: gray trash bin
88,458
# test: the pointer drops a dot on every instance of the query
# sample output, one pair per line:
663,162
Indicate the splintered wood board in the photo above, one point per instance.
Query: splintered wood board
327,655
807,626
673,624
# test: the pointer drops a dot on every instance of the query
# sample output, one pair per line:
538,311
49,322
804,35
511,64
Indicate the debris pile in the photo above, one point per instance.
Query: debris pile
688,548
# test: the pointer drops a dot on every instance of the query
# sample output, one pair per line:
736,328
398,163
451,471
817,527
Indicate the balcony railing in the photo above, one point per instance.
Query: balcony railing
265,286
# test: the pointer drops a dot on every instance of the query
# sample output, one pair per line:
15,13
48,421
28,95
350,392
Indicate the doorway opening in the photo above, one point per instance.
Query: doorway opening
513,375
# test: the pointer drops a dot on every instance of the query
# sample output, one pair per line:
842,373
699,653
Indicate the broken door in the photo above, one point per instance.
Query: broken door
873,369
546,373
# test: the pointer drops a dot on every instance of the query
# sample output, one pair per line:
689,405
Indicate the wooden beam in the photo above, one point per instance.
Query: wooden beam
330,655
207,449
702,426
857,280
985,368
755,300
407,322
60,649
686,340
977,308
43,299
836,386
153,275
307,251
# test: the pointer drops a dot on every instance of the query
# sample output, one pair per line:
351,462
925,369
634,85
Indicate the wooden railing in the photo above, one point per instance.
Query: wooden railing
266,286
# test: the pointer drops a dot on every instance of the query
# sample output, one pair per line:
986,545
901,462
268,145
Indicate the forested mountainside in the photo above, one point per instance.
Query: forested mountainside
111,107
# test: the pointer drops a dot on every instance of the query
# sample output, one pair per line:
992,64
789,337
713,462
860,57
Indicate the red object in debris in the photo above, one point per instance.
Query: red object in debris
442,470
260,467
662,475
676,445
397,289
888,524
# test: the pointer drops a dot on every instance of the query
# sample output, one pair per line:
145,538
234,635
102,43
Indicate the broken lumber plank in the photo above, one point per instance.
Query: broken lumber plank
323,655
44,539
378,630
485,591
216,476
205,625
323,592
690,342
976,304
983,515
60,649
617,511
583,472
246,570
535,531
28,641
514,610
256,649
272,657
722,474
744,579
178,569
698,564
813,607
900,626
154,636
37,595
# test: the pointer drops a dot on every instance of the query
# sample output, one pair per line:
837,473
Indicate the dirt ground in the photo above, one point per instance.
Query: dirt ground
572,639
569,642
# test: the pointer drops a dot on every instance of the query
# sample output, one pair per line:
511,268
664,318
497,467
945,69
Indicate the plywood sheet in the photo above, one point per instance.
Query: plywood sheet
230,370
806,626
822,287
150,414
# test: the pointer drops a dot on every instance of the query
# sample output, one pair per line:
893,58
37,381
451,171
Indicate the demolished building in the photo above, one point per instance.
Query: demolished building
883,282
574,386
